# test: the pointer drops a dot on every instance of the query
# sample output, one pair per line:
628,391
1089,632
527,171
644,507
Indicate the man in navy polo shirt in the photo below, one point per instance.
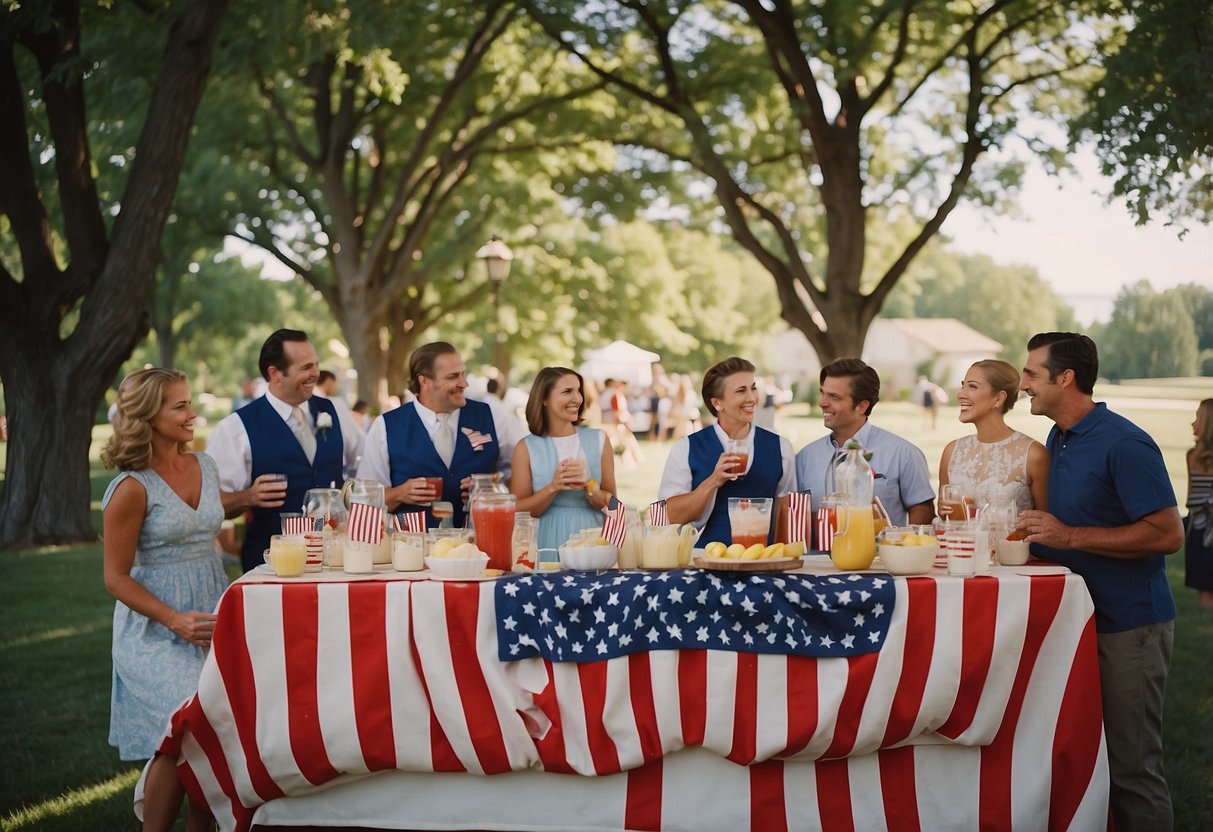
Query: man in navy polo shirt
287,432
1112,519
440,434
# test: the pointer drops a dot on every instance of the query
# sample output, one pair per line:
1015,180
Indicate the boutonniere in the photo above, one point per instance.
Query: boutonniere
478,439
323,422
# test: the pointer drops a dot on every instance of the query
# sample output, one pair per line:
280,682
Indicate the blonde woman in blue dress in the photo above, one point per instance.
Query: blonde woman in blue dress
547,475
161,515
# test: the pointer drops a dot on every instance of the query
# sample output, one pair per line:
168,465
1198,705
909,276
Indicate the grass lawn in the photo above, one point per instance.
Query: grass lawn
57,771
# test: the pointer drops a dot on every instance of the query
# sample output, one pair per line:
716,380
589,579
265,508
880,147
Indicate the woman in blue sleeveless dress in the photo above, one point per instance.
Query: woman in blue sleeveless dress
564,472
701,472
161,516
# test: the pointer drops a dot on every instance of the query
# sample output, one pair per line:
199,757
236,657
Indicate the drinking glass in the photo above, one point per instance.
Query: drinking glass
955,505
740,449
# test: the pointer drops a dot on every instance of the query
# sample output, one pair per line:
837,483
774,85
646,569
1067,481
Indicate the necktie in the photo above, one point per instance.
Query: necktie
444,442
303,432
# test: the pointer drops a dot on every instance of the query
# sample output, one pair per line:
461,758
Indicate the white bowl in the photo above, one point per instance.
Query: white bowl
1013,552
908,560
588,557
458,568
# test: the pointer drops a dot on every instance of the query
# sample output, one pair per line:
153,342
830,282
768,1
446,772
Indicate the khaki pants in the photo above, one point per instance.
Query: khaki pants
1133,669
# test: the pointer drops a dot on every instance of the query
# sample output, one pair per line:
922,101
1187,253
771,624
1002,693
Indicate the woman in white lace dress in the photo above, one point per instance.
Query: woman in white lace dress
998,464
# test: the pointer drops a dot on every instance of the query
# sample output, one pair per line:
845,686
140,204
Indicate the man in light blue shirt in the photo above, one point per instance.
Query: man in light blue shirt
850,390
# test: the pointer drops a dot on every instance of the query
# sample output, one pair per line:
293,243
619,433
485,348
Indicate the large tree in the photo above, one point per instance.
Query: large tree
383,146
78,300
808,121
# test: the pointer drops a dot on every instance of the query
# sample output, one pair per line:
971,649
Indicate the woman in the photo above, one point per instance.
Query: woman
1198,551
161,516
999,464
701,473
552,465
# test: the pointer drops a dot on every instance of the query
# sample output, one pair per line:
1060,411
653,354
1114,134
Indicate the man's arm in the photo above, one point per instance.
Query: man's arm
1159,533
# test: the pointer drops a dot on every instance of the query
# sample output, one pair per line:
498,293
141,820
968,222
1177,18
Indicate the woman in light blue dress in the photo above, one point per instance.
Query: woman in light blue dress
564,472
161,516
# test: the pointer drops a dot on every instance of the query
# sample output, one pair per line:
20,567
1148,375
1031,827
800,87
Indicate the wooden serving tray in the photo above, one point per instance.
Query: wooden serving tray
760,565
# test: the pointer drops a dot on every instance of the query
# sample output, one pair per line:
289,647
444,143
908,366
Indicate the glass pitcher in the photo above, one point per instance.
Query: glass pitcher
854,546
493,517
633,542
524,543
370,492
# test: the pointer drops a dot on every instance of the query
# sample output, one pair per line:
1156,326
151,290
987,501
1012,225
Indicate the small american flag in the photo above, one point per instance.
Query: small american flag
476,438
297,525
366,523
826,523
800,510
409,521
657,515
615,526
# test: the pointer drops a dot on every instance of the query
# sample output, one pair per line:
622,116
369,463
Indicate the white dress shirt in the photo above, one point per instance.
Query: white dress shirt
377,465
676,479
349,427
229,446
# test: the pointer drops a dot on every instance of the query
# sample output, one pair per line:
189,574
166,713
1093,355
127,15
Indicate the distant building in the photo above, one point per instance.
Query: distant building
897,348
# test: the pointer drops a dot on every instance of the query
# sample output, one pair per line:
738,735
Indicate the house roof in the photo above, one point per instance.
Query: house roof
943,335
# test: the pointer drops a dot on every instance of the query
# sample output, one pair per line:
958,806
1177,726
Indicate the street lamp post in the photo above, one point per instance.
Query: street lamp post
496,256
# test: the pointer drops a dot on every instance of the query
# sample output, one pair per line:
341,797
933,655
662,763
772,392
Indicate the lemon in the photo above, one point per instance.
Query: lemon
443,546
754,552
716,549
775,550
735,551
794,549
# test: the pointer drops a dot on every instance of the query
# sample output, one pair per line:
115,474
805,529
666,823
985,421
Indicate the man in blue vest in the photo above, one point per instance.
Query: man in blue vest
288,433
441,434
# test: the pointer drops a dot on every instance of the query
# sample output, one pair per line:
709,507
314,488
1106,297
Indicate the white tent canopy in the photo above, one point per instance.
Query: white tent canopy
621,360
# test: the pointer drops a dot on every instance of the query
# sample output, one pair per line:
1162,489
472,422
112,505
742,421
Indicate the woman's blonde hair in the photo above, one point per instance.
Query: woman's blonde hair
1002,376
1203,452
140,397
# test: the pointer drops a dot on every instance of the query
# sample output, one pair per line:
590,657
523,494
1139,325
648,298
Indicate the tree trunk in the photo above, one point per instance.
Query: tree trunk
362,337
54,383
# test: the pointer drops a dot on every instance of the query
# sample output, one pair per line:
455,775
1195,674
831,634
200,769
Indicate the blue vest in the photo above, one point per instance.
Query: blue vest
762,480
411,453
275,450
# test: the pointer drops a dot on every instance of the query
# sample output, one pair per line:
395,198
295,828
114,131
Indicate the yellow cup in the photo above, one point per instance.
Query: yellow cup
287,555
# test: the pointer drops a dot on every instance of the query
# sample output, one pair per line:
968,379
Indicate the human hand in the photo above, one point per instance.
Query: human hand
726,469
417,491
195,627
1042,527
268,491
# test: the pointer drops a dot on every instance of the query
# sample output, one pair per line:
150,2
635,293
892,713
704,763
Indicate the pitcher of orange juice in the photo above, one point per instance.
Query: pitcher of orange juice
854,544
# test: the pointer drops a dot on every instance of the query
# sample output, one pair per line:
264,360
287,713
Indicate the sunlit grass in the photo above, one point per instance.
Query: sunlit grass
70,803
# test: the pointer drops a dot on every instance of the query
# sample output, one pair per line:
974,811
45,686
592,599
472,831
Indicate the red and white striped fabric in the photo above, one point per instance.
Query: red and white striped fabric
297,525
615,524
800,510
409,521
657,515
982,709
365,523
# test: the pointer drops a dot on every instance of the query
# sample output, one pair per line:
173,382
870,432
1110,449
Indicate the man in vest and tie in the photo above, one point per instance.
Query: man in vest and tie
288,433
440,434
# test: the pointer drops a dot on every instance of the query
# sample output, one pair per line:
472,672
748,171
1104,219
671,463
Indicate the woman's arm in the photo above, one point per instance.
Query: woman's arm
1038,475
122,522
685,508
522,484
606,485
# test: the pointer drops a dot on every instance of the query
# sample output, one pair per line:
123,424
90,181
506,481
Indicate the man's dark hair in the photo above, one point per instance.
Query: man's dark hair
273,351
325,377
1069,351
421,362
865,383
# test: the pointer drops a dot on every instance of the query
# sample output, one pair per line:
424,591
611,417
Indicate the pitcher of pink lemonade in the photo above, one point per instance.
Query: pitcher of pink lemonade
493,517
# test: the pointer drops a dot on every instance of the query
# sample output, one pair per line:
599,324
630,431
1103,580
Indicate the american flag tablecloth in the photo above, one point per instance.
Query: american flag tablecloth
980,709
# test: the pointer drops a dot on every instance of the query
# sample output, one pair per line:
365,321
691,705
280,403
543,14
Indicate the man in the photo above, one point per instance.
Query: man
850,390
286,432
326,386
1112,519
441,433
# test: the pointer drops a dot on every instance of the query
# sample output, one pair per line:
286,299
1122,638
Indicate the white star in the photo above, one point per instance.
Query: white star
878,610
844,597
763,627
602,648
674,631
575,616
561,631
613,599
691,615
625,640
859,619
589,633
724,637
577,647
702,634
848,641
638,590
513,649
545,616
528,608
661,616
715,616
559,603
826,641
675,596
749,606
749,639
599,616
768,597
587,596
873,636
549,642
613,630
511,589
737,626
794,597
653,602
791,640
771,638
638,622
652,635
864,595
702,597
726,600
777,617
509,622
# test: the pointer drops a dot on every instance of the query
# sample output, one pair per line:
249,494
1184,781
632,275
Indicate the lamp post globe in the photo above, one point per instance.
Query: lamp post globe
496,256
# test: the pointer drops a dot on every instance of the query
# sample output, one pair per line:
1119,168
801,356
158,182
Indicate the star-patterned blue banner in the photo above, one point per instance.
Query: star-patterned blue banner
583,617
